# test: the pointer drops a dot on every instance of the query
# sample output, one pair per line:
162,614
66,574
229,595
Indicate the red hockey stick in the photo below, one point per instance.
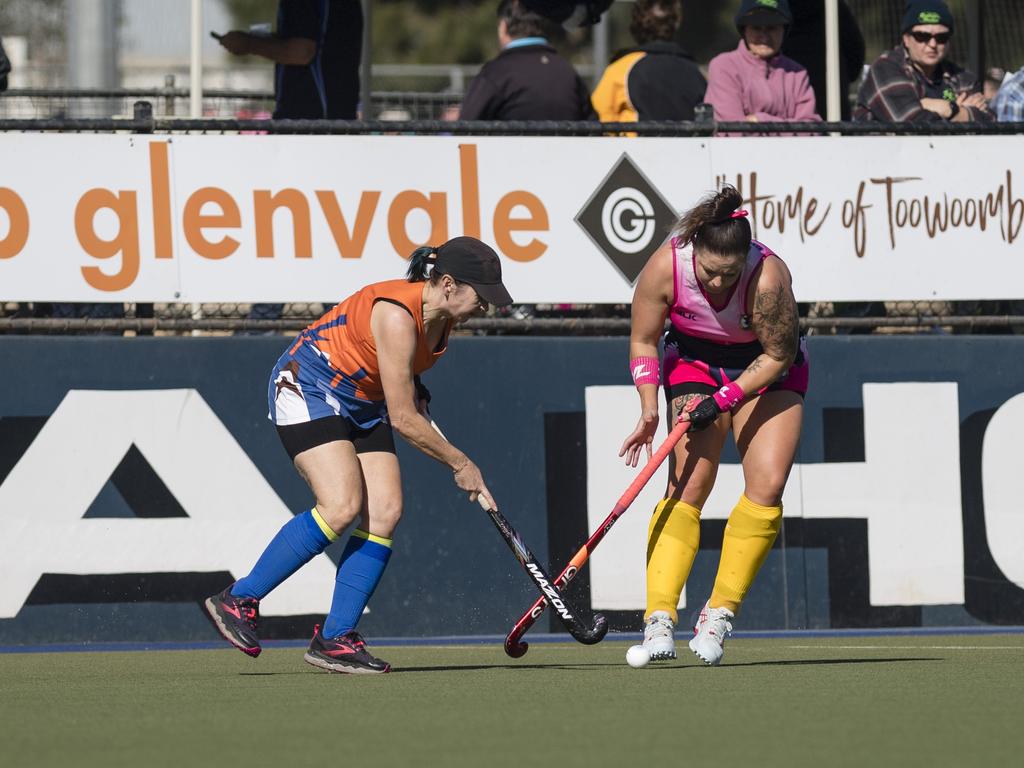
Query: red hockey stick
514,645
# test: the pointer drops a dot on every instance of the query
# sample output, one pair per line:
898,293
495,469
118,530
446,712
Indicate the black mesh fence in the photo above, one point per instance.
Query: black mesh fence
1003,34
170,102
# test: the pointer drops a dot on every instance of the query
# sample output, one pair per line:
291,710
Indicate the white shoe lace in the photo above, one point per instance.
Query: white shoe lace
658,627
716,625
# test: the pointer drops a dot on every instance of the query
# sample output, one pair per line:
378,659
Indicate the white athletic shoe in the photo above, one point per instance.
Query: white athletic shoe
658,636
709,633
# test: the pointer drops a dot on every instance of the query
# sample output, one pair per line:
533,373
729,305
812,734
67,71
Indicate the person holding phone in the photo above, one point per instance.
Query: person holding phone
316,50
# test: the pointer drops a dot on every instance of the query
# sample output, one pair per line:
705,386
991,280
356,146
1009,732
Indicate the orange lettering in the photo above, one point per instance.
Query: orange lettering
265,204
470,190
505,225
436,207
126,242
160,186
350,246
17,232
195,221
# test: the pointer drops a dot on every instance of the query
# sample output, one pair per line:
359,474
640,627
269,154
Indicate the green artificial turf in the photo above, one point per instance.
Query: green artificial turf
920,700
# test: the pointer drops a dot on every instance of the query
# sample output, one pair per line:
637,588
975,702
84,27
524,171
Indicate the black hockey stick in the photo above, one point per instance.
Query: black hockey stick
568,616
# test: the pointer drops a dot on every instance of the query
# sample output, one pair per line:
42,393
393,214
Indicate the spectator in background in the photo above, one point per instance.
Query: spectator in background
657,80
914,82
756,82
316,52
1008,104
805,44
528,80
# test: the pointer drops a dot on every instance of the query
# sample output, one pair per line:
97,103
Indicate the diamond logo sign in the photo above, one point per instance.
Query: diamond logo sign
627,218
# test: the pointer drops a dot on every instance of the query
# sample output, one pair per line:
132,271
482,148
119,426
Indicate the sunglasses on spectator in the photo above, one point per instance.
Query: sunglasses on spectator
926,37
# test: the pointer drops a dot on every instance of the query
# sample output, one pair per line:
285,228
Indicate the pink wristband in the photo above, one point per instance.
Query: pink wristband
728,396
644,370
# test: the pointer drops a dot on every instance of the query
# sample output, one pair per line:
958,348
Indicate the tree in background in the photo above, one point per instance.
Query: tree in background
464,31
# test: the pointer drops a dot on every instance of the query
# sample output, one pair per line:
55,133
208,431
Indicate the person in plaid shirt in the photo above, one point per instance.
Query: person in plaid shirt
914,82
1008,105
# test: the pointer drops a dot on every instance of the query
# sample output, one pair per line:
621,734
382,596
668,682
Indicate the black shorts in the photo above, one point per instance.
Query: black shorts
297,438
672,391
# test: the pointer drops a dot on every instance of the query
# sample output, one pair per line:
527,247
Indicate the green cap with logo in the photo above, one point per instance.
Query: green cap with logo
926,12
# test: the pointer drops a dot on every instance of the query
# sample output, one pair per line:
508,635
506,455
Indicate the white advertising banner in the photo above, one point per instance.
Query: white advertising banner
311,218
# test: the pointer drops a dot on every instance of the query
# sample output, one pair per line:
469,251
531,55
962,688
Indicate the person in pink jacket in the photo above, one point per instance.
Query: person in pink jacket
755,82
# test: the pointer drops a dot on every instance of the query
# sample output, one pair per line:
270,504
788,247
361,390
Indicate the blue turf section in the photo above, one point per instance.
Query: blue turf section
500,639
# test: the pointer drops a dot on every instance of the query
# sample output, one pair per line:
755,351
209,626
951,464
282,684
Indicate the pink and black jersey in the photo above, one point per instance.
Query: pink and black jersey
693,313
711,345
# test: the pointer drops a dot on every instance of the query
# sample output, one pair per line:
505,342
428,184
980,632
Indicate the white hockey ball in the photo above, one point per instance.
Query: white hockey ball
637,656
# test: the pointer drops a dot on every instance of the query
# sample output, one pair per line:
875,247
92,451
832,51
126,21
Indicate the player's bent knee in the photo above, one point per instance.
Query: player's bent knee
765,495
767,489
387,516
338,514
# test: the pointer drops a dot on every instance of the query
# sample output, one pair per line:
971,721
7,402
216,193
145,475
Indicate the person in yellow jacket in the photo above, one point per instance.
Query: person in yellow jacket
657,80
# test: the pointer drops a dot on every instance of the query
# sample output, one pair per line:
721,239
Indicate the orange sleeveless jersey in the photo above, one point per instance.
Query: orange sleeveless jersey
344,337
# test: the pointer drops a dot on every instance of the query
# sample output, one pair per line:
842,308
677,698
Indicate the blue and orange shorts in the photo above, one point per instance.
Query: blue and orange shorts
309,411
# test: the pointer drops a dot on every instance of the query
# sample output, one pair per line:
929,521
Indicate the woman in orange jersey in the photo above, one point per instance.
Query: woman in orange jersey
335,395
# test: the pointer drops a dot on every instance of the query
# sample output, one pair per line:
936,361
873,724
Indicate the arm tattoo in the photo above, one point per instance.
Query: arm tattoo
776,322
755,365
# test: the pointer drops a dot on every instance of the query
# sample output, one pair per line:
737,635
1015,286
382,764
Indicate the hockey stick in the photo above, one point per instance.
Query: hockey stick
514,644
568,617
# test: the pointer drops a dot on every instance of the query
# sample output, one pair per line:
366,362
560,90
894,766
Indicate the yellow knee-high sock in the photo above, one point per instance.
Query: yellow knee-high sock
749,535
672,539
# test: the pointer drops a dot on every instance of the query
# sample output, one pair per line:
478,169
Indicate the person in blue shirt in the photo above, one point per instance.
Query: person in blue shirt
1008,104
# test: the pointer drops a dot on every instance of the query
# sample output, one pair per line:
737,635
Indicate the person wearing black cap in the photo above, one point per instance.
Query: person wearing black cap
335,395
755,82
915,82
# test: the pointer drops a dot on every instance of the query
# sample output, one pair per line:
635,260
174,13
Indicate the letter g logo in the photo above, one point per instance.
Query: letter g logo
627,219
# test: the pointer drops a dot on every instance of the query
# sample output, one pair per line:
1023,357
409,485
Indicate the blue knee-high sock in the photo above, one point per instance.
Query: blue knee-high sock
300,540
362,564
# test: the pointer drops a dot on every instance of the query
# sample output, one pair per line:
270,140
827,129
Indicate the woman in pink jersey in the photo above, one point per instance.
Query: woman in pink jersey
733,361
335,395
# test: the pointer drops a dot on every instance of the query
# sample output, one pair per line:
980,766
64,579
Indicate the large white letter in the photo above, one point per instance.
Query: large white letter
233,511
1001,488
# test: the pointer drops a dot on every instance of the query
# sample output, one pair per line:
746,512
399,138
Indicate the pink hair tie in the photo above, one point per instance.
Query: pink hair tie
739,214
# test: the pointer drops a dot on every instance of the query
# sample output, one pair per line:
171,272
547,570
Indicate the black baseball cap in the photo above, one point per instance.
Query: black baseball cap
767,13
468,260
926,12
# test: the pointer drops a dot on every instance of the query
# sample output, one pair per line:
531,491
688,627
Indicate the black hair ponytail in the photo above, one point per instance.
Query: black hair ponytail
419,264
712,224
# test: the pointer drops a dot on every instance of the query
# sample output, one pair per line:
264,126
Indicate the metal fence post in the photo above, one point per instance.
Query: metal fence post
143,111
169,95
